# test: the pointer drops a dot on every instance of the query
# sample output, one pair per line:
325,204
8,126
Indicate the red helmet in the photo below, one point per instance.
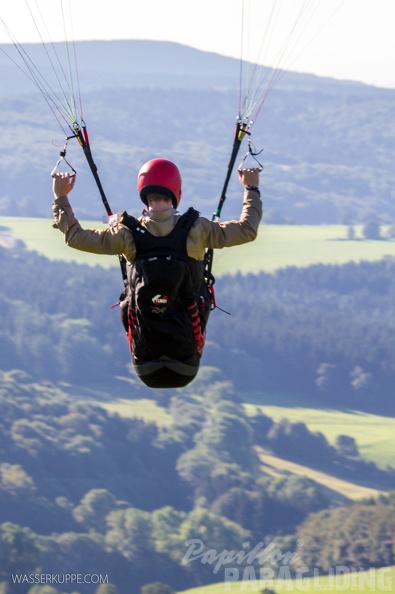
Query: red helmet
160,176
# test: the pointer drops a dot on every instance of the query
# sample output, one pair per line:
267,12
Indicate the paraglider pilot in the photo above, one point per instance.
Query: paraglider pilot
165,304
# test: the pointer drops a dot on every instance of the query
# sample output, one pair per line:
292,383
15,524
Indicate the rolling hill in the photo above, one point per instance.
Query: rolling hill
327,144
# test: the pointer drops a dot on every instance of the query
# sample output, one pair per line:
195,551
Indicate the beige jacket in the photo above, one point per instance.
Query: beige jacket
117,239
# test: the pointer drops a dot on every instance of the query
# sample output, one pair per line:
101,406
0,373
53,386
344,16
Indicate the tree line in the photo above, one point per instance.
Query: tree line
324,332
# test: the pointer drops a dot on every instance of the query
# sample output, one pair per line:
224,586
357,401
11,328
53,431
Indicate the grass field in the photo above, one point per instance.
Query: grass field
141,409
39,235
374,434
277,246
277,467
341,580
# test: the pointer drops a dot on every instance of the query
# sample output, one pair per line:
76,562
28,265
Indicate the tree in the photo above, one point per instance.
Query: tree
261,425
130,533
247,508
166,524
94,508
390,233
228,435
14,479
347,446
107,589
156,588
19,551
359,378
212,532
350,232
296,441
371,229
326,377
209,476
43,590
356,536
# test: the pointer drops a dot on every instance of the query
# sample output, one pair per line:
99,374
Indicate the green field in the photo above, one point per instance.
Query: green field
277,246
341,580
40,236
275,466
374,434
142,409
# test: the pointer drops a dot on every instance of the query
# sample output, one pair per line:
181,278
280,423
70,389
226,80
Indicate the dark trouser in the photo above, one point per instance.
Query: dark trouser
166,373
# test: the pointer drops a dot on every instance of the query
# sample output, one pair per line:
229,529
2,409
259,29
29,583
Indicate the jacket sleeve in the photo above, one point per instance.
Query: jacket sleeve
111,241
229,233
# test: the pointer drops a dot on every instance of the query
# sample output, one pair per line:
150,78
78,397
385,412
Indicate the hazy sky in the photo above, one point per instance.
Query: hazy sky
357,43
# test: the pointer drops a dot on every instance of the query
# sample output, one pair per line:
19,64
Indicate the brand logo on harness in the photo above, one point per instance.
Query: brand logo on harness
160,299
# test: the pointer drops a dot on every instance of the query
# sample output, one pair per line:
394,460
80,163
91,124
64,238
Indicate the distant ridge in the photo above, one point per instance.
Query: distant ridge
143,63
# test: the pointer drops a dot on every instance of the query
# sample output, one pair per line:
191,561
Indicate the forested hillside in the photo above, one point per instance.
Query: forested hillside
85,491
324,332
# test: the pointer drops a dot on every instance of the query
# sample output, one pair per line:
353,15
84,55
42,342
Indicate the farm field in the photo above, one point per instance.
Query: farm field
374,434
277,246
278,466
40,236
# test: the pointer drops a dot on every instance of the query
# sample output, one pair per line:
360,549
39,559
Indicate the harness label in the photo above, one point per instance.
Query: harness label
160,299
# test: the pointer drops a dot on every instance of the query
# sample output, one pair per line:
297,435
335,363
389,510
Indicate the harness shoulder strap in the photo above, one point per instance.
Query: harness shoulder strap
174,243
128,220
